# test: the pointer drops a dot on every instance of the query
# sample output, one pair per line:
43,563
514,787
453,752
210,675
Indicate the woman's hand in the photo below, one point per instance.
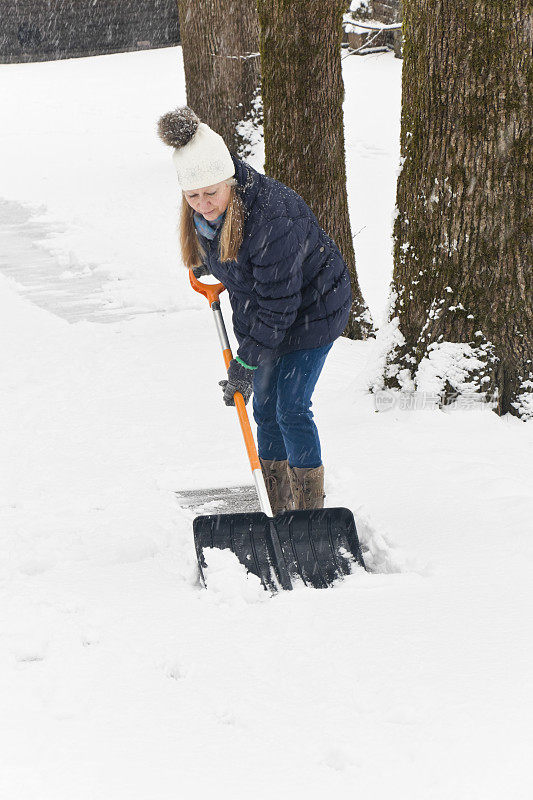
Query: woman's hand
240,379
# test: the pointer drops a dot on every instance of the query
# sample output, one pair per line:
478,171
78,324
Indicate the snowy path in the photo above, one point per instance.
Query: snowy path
119,677
55,283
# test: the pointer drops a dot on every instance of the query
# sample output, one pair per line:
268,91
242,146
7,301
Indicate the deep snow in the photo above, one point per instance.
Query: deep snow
119,677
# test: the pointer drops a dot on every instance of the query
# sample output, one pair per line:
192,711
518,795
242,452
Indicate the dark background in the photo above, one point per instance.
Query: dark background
39,30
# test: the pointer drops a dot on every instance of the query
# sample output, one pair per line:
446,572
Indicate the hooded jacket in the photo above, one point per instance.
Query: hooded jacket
289,288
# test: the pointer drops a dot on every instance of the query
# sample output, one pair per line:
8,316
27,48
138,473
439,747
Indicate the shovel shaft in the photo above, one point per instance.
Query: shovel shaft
212,292
238,398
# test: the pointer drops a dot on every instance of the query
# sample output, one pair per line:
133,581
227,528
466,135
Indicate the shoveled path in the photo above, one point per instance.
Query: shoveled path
71,291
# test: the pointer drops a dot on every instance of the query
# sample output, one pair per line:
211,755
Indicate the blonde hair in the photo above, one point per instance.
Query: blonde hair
231,234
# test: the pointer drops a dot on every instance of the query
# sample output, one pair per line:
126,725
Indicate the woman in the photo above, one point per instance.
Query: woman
289,290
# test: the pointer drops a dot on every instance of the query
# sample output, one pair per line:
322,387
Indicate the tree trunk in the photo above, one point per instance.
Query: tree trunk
303,91
462,294
220,40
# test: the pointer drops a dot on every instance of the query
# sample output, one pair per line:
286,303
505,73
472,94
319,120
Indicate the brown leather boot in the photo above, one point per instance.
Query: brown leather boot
307,486
278,486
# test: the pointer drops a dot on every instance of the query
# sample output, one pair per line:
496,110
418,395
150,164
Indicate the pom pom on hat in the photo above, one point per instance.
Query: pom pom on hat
200,155
178,127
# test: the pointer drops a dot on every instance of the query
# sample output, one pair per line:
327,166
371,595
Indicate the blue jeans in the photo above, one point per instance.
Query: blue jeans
282,407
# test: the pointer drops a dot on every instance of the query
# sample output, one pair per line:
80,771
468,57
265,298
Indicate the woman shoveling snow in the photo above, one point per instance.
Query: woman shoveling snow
289,290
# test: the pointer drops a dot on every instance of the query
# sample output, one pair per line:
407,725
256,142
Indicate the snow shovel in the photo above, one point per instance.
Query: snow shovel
319,546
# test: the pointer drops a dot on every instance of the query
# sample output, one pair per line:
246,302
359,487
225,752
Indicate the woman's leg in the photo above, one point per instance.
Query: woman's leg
270,443
297,375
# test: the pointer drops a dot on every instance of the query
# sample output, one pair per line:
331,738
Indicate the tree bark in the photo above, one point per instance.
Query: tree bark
303,91
462,295
220,40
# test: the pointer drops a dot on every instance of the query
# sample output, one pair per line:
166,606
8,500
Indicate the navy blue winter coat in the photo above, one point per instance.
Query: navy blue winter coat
289,288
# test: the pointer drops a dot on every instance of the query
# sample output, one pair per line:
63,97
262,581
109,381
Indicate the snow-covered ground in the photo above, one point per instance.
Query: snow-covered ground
119,677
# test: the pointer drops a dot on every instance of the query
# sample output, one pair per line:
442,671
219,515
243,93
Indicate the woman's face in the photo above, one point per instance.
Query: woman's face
211,201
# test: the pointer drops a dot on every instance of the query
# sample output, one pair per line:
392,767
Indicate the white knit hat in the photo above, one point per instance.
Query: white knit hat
200,155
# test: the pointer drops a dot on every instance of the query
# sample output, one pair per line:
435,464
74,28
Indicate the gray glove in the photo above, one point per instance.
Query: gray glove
199,271
240,379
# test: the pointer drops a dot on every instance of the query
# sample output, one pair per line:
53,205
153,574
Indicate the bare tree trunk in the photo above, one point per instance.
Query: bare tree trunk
462,288
304,134
220,40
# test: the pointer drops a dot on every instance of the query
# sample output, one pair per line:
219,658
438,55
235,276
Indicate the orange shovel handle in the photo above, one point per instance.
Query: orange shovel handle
210,290
247,434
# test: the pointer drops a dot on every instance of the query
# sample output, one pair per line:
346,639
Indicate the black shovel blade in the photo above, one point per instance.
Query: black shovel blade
319,546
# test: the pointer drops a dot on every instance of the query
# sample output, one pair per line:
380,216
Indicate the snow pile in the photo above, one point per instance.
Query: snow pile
228,579
449,364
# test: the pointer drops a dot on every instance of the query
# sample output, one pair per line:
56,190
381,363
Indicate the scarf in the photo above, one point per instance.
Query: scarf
205,228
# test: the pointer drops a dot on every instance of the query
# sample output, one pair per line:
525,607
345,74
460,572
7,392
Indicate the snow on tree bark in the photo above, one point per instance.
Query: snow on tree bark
220,41
462,297
303,92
